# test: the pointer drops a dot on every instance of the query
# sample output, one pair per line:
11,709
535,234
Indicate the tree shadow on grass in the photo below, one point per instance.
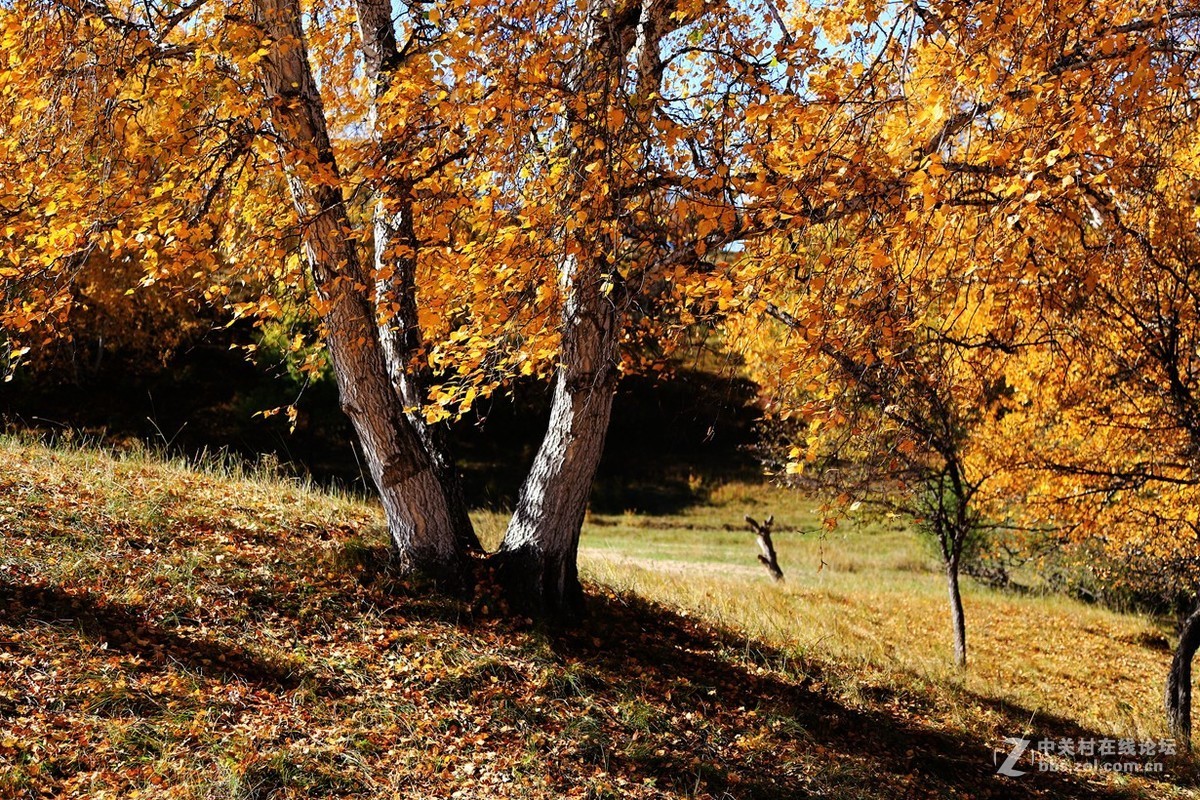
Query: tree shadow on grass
125,629
664,700
860,752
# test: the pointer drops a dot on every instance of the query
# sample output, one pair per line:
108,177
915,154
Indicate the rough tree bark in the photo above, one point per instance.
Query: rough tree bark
414,501
402,345
1179,681
395,261
537,559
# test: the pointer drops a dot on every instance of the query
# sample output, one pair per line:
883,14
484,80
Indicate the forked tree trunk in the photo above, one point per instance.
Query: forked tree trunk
414,501
537,559
957,618
1179,681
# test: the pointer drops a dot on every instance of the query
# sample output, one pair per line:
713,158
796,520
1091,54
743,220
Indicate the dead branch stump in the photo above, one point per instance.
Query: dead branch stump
767,556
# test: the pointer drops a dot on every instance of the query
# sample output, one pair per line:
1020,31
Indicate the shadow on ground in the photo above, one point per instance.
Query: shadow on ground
124,629
660,704
847,752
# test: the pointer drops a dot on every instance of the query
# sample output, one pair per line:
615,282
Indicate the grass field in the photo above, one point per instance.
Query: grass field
872,597
213,633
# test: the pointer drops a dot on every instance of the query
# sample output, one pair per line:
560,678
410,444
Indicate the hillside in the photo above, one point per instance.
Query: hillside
211,633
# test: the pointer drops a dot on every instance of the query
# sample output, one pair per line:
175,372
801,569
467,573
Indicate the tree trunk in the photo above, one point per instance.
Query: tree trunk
395,253
414,502
400,337
957,619
537,560
1179,681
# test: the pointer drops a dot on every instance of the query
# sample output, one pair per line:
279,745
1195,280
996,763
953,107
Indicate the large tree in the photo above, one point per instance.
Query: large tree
463,192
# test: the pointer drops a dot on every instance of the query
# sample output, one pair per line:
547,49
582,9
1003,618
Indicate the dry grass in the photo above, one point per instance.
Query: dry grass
871,597
174,630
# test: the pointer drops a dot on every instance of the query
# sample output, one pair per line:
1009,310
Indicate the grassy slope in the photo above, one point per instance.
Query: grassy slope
173,633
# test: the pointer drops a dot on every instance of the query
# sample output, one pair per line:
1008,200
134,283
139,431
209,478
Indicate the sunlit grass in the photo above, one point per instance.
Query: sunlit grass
866,604
866,595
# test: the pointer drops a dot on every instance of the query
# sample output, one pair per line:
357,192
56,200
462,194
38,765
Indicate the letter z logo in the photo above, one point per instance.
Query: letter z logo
1006,768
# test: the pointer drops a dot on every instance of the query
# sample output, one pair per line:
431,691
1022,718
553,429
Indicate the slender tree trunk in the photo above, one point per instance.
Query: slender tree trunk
537,560
957,618
400,337
413,499
1179,681
395,254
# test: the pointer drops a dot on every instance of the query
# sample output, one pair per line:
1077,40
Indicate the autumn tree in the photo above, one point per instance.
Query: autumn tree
887,422
464,194
1108,413
1097,432
945,198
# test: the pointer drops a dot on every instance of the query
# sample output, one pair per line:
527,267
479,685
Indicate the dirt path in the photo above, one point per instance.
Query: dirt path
673,566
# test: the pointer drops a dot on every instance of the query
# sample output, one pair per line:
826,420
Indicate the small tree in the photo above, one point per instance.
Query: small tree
1106,421
930,261
893,433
